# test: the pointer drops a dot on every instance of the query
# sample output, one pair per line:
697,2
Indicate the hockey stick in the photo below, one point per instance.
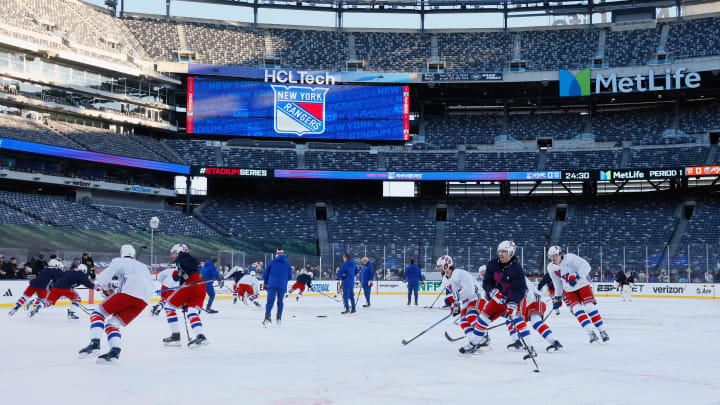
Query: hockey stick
334,299
187,331
85,309
405,342
452,339
436,298
186,285
529,349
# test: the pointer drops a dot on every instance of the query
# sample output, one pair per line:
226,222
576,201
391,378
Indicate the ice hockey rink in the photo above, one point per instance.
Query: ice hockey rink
662,351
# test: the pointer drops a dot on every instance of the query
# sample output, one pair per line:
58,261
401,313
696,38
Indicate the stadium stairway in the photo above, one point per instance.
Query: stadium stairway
683,212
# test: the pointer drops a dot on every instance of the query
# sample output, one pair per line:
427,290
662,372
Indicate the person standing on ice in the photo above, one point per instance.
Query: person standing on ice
413,276
122,305
209,272
367,274
275,277
569,275
346,275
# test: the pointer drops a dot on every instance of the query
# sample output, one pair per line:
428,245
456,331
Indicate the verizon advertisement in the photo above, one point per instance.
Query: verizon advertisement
660,290
229,172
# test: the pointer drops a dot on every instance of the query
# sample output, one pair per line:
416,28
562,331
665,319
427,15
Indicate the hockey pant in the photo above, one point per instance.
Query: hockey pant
193,297
28,293
583,305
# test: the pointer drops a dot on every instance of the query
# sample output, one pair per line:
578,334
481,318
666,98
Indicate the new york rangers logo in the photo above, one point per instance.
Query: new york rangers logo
299,110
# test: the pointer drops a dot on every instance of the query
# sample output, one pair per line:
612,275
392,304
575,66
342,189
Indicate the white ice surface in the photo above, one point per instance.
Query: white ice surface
662,351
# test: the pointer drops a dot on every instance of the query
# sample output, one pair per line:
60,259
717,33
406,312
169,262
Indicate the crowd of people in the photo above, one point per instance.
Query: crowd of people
10,269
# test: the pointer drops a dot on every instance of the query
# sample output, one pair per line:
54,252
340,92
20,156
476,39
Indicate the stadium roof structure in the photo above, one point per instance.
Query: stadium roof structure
509,8
458,6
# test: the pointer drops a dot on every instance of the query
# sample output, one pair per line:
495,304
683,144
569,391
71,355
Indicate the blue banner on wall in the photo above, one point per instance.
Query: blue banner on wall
58,151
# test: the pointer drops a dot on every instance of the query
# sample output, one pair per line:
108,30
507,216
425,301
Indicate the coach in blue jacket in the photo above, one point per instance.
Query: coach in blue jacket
275,277
347,274
209,272
413,276
367,274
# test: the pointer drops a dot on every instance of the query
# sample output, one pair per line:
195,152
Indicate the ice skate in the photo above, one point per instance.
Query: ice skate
110,357
555,346
200,340
604,336
172,340
90,350
515,346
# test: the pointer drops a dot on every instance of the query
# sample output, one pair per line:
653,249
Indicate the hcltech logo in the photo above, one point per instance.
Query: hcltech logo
574,85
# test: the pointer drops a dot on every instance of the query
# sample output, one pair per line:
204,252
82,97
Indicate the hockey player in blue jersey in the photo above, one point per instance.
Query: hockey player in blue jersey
275,278
40,285
64,287
413,277
505,288
209,272
367,275
303,281
346,275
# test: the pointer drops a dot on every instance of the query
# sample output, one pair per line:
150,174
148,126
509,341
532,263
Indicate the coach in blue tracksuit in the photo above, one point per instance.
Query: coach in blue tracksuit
210,272
347,274
367,274
275,278
413,276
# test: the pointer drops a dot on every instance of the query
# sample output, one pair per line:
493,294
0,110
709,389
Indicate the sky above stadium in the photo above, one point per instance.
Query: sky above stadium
350,20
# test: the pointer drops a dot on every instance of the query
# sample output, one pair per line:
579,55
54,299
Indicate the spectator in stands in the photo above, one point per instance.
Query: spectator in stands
596,275
88,261
10,269
18,272
689,275
38,265
716,277
3,274
75,264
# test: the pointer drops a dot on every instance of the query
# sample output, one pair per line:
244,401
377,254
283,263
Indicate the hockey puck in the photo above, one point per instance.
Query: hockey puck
322,316
293,316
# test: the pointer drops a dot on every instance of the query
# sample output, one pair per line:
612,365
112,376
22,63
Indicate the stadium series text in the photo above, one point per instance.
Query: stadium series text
291,76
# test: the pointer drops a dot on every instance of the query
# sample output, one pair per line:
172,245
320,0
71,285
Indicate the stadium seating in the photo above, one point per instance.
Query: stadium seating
471,230
252,218
619,230
171,222
22,129
340,160
256,158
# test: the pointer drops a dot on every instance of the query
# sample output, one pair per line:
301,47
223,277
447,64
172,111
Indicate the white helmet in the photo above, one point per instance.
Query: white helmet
446,259
55,263
482,268
554,250
82,267
252,273
179,248
507,246
127,251
236,268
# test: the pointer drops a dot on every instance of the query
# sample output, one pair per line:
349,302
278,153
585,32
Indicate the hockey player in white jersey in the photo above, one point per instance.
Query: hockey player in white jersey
569,274
124,303
167,282
248,286
532,309
464,292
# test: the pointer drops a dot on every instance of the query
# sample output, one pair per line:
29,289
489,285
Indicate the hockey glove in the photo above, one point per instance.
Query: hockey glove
455,309
557,302
572,280
221,283
496,296
370,284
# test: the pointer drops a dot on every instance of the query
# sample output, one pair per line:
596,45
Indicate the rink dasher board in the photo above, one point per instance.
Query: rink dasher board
11,290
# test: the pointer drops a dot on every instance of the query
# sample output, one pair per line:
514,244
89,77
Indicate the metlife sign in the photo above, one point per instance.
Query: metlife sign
640,174
579,84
